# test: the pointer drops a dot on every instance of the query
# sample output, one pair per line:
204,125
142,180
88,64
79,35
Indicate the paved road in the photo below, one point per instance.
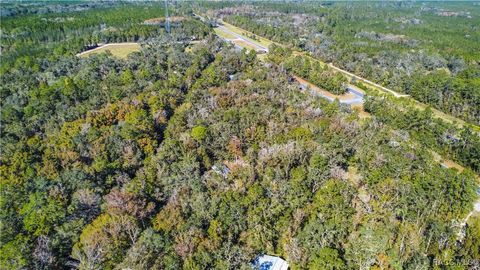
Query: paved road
358,97
437,113
448,118
396,94
353,97
257,45
251,42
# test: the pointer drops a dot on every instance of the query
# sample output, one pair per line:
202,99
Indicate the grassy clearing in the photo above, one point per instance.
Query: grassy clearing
362,114
120,50
262,57
450,164
223,34
245,45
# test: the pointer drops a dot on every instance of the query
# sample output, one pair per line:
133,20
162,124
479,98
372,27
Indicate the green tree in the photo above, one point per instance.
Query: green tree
328,259
41,213
471,246
127,77
199,133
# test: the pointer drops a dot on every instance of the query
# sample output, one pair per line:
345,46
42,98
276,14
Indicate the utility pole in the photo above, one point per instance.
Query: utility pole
167,18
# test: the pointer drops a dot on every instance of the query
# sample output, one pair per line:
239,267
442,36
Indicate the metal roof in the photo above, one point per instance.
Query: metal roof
267,262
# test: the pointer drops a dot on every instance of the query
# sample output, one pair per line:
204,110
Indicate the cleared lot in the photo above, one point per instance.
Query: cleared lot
121,50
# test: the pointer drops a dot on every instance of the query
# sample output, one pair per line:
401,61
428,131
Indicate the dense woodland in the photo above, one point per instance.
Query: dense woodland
427,50
164,160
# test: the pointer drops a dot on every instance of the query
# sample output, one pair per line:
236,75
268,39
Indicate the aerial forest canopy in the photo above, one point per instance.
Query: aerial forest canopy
191,153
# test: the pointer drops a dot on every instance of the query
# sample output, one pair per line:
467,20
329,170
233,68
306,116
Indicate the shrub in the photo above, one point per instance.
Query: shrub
199,133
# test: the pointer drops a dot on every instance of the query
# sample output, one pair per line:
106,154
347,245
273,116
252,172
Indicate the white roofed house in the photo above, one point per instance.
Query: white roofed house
267,262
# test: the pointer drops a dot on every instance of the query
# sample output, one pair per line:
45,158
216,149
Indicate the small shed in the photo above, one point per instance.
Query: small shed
267,262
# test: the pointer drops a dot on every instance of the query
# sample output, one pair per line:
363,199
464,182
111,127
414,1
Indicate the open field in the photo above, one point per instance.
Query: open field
121,50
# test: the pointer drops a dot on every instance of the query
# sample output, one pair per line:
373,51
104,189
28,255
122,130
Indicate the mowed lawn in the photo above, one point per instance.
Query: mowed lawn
121,50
